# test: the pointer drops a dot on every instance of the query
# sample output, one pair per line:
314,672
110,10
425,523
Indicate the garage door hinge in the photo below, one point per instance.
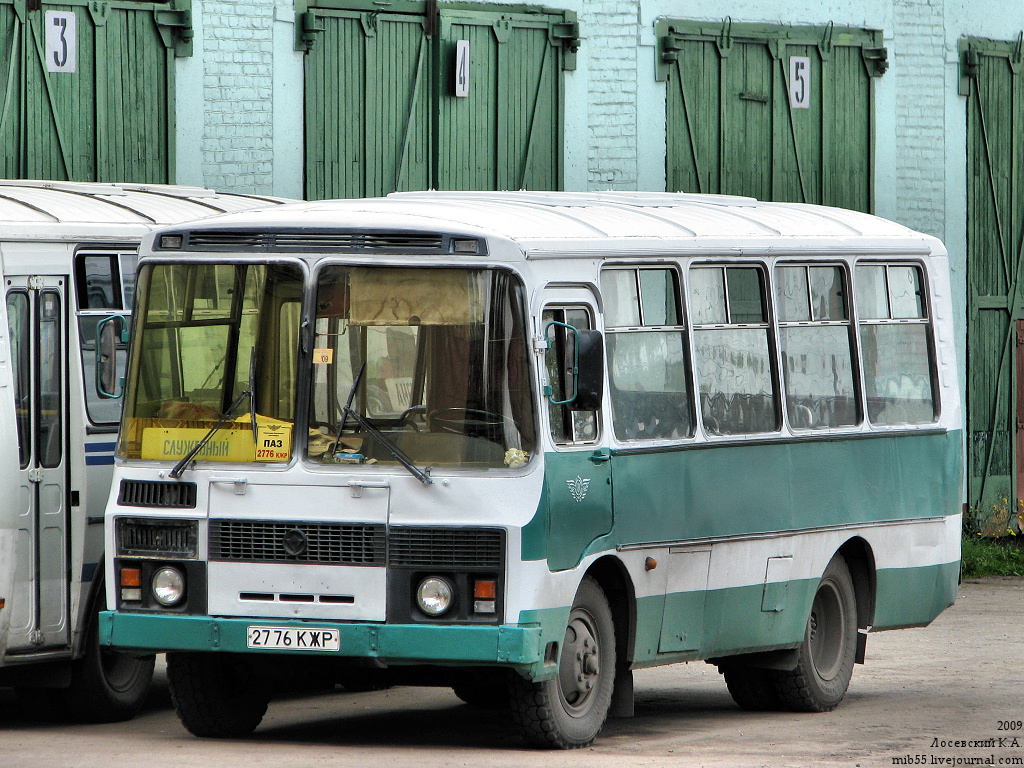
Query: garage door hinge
876,60
308,28
175,27
567,35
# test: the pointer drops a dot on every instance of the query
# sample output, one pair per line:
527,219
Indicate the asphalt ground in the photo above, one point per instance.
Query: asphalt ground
948,694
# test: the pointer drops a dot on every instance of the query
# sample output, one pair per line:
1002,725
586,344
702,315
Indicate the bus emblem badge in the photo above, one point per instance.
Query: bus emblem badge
294,542
578,487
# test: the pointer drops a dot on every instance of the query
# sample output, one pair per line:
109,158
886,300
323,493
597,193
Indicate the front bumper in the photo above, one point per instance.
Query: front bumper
520,647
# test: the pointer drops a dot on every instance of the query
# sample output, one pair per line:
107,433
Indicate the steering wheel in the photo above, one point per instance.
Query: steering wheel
460,421
409,413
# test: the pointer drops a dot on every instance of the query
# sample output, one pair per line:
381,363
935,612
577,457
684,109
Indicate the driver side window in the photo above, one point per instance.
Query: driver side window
567,426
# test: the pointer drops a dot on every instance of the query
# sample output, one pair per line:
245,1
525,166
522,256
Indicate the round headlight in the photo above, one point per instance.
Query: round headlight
434,596
168,586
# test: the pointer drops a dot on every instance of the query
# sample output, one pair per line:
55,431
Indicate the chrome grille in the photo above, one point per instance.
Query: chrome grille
446,548
154,493
142,537
261,541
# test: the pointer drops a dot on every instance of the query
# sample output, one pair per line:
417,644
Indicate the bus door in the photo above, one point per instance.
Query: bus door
578,477
37,319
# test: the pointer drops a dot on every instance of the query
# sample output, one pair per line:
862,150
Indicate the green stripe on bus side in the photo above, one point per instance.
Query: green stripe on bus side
912,597
735,490
699,625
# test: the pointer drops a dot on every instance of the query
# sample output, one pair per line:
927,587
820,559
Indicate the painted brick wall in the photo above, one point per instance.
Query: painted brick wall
612,47
918,64
237,138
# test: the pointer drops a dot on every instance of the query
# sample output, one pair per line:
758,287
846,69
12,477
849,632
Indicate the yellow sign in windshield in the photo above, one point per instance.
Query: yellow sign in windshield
231,443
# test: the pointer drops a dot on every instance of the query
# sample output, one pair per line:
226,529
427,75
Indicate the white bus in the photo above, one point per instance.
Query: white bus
67,261
522,444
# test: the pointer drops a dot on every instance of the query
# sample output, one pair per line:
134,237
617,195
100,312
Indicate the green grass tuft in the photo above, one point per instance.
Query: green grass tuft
991,557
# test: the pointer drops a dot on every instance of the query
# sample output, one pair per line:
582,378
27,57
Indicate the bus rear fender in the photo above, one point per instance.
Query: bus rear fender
861,562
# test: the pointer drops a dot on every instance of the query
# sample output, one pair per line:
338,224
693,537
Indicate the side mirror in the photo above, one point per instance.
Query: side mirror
590,376
110,331
586,351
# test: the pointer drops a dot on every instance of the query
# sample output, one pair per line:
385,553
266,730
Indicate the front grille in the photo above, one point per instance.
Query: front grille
258,541
291,241
481,548
142,537
153,493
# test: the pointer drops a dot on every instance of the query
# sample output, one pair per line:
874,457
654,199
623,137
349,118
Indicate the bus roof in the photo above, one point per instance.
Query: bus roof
69,210
566,223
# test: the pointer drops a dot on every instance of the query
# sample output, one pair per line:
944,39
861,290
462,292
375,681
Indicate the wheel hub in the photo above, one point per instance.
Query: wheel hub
580,665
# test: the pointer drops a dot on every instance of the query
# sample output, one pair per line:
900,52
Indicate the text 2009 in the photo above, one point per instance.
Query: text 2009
1010,725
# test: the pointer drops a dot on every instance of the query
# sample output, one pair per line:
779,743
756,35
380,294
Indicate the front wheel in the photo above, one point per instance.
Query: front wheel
107,685
752,689
568,711
216,694
826,655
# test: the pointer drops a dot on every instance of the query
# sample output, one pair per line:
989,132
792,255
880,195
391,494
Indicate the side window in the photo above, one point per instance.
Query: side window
567,425
731,350
894,329
20,327
815,336
647,372
104,286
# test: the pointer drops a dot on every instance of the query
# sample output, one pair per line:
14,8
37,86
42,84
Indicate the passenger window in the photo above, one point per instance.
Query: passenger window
894,334
731,350
567,425
816,341
647,372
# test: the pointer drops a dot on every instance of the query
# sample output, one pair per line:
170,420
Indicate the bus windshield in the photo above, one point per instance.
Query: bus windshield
445,371
200,326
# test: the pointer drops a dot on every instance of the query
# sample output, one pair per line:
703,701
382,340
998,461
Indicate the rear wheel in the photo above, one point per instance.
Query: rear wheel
216,694
826,655
568,711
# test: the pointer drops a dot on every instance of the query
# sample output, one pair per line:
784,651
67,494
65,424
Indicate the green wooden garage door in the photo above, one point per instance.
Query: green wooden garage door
992,80
112,118
733,127
382,115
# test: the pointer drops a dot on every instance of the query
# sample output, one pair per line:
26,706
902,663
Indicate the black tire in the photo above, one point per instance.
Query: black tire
486,689
752,689
216,695
107,685
826,655
568,711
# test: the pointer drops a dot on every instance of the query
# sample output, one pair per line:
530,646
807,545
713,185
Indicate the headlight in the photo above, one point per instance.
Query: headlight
434,596
168,586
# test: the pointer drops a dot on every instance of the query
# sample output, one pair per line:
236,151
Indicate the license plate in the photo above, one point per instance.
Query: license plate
294,639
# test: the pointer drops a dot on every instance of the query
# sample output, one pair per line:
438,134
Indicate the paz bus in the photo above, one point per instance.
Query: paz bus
67,261
522,444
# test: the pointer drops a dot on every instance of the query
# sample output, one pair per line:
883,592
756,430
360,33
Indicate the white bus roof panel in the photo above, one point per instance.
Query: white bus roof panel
36,208
545,224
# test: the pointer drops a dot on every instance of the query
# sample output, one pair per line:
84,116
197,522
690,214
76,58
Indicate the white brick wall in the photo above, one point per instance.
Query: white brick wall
918,57
612,47
237,142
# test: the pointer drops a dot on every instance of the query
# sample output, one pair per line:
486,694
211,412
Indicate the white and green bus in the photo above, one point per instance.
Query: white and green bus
67,262
521,444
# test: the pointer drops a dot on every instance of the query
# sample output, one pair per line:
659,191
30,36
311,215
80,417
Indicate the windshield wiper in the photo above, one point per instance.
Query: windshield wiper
183,462
252,391
423,475
399,455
